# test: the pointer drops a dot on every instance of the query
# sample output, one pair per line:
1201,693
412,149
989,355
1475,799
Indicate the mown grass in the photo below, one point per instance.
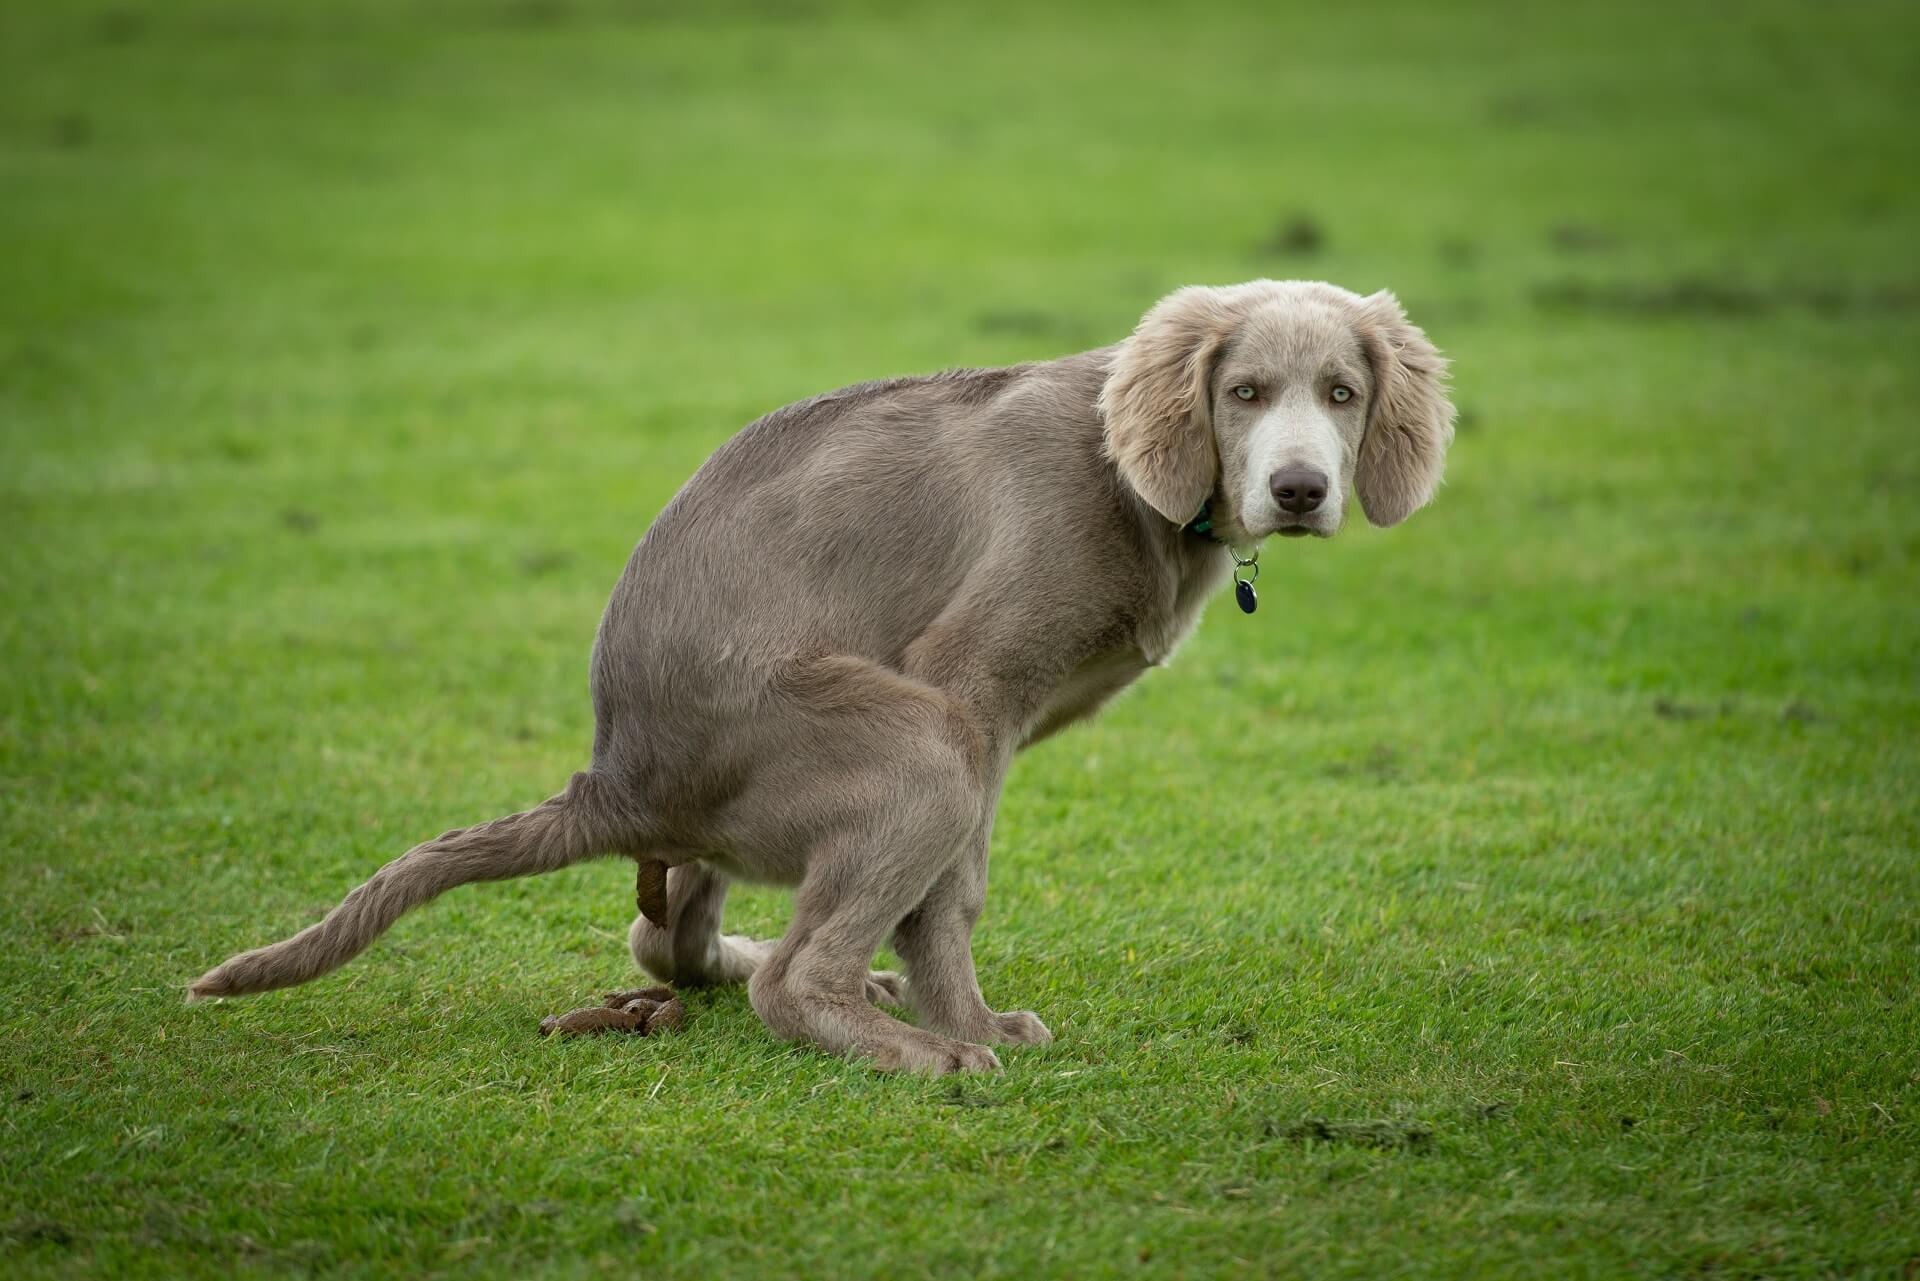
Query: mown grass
1529,890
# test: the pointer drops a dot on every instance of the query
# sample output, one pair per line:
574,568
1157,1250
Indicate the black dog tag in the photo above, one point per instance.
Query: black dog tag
1243,593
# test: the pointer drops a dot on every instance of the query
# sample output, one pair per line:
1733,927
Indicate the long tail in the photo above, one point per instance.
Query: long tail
577,824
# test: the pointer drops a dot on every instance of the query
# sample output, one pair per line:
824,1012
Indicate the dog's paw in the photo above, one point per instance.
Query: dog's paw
933,1055
1021,1027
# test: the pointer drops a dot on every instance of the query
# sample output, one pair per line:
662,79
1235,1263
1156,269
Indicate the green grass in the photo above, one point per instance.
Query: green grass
1530,890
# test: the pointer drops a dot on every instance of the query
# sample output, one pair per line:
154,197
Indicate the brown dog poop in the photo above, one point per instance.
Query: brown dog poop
642,1011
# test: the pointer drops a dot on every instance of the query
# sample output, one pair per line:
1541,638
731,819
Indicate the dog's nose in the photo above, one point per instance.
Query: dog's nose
1298,489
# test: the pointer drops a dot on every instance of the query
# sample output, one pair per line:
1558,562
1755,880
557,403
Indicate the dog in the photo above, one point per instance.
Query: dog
826,650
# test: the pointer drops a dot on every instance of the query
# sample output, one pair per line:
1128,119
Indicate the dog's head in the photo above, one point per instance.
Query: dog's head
1268,399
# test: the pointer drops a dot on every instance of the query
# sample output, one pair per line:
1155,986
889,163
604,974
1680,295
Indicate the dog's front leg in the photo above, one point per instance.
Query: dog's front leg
903,822
935,941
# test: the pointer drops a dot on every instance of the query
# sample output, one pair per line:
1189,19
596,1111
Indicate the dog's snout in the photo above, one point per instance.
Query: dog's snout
1298,489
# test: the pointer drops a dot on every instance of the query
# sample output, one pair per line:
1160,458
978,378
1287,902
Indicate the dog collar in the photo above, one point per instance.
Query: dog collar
1242,587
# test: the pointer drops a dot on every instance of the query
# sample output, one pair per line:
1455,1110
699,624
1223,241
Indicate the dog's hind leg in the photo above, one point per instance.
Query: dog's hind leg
690,949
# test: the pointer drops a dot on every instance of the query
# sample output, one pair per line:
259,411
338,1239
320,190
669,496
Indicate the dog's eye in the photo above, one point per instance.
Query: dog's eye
1245,392
1342,393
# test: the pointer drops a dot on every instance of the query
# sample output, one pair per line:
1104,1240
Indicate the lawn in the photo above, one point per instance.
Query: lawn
1532,889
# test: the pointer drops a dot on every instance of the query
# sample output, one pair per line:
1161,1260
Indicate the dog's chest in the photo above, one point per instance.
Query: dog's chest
1162,632
1086,688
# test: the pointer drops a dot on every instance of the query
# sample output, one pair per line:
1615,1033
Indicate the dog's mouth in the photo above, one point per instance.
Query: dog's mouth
1285,524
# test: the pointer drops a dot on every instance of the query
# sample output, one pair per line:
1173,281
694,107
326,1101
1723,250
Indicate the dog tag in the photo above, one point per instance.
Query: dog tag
1243,593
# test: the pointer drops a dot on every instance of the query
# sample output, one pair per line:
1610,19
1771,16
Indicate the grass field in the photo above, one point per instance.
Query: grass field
1533,889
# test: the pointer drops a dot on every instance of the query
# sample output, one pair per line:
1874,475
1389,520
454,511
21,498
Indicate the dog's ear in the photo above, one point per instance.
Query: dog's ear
1411,422
1157,400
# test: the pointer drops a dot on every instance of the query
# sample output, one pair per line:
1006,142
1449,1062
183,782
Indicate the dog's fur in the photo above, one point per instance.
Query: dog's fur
827,649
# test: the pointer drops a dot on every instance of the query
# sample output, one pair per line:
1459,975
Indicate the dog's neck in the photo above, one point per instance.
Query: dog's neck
1191,566
1246,569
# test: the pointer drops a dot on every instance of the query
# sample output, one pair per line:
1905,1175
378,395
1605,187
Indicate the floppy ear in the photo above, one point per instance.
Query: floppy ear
1156,401
1411,422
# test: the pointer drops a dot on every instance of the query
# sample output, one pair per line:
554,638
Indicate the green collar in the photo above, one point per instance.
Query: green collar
1203,523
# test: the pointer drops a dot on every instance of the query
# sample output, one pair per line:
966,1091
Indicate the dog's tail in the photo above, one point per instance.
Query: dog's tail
577,824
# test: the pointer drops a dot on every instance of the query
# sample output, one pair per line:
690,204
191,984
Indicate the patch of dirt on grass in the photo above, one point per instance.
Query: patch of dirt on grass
120,26
543,561
1718,296
960,1096
1298,235
1796,711
1403,1136
1580,238
72,131
98,928
1382,765
1026,322
37,1232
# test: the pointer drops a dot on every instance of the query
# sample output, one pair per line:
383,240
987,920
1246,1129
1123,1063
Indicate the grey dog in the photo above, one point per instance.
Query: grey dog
826,650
